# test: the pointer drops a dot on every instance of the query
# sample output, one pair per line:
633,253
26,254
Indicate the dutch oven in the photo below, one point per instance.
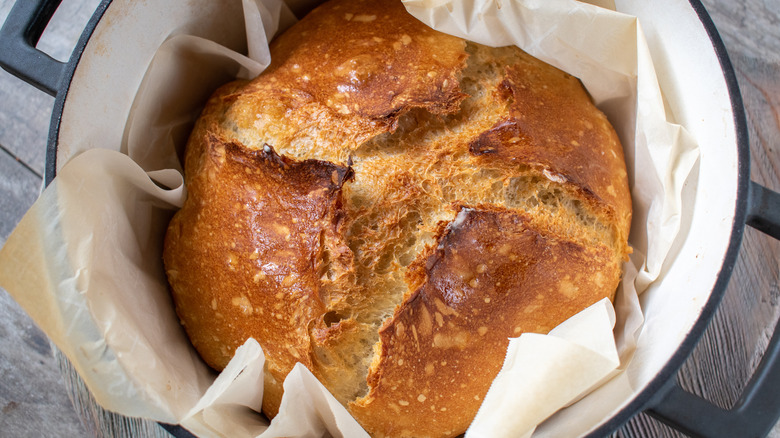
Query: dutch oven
123,34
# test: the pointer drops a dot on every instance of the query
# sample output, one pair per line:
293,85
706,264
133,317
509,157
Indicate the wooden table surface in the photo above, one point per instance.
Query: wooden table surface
36,401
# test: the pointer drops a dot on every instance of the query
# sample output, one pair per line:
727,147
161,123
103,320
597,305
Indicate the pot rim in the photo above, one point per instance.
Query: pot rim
643,398
50,165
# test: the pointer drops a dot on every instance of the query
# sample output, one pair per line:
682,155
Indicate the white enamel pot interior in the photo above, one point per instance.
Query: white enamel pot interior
110,61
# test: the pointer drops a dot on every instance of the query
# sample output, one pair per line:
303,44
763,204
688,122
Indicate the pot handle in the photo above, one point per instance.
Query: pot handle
764,210
18,37
758,408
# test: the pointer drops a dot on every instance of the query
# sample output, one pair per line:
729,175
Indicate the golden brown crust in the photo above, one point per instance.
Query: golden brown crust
388,205
346,73
582,150
369,60
492,276
242,258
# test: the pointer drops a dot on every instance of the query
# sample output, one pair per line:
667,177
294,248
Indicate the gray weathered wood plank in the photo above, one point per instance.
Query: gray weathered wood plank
33,400
24,121
19,188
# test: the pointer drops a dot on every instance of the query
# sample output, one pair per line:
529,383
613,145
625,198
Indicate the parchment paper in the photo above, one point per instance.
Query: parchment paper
85,262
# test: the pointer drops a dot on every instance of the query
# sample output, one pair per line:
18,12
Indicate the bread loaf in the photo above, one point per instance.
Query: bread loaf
388,205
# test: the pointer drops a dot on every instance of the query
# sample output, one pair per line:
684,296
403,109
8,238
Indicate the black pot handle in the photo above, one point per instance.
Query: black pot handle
758,408
18,37
764,210
177,431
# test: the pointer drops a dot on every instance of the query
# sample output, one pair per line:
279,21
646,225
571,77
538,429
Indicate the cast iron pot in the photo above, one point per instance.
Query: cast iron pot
137,28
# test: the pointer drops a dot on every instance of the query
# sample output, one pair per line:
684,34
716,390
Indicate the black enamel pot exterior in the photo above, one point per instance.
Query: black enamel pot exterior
754,414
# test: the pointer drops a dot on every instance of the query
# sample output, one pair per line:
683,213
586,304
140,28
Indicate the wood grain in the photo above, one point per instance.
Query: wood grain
718,368
24,122
19,189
